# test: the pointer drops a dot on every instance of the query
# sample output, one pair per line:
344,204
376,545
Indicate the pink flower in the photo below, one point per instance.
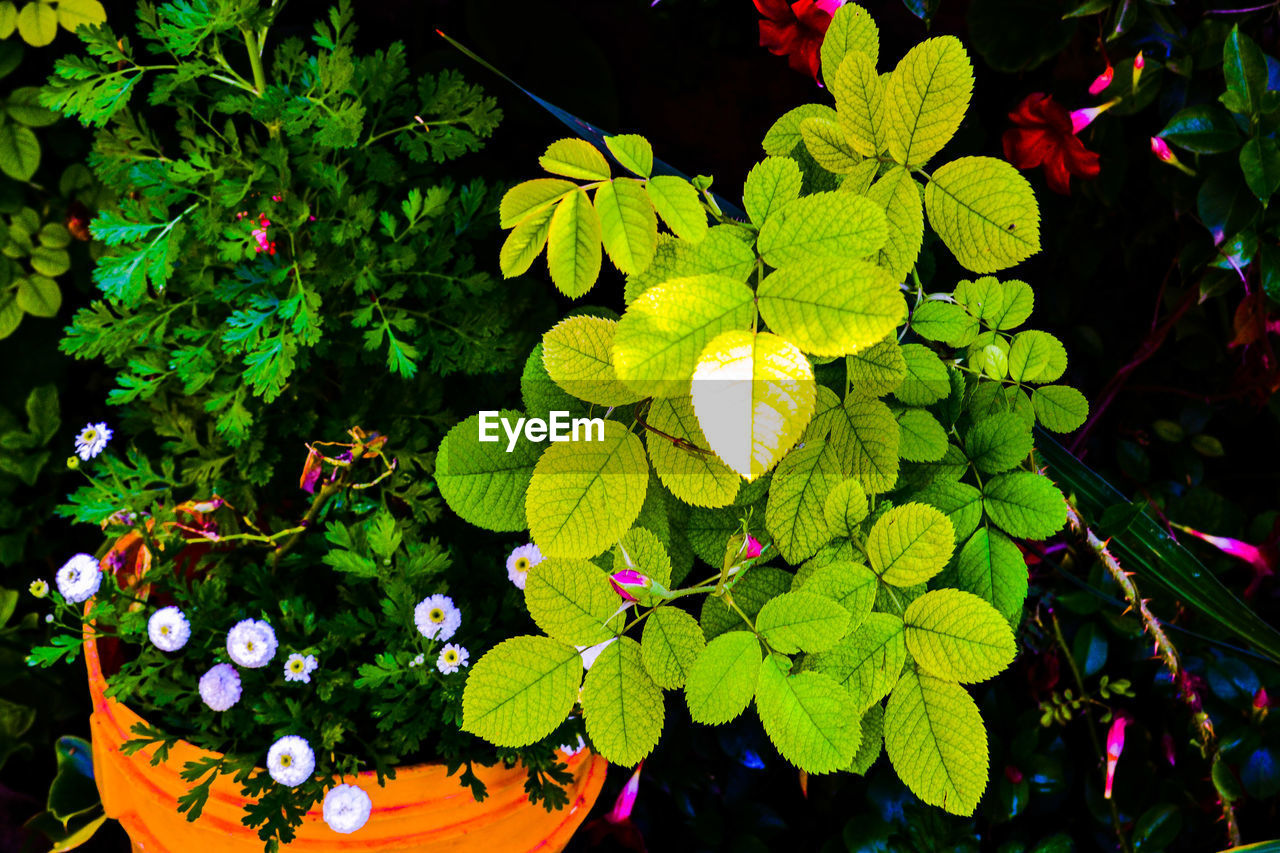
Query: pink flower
1115,745
1161,149
617,823
1167,741
754,548
1260,699
628,581
1138,64
1261,558
1102,81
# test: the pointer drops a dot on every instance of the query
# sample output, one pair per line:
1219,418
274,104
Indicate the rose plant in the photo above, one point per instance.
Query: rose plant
783,401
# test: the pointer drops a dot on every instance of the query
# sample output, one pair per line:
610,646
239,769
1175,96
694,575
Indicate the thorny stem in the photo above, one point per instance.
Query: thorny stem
1088,724
327,491
1167,653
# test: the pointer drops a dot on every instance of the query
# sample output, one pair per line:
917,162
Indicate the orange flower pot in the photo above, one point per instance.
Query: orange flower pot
421,809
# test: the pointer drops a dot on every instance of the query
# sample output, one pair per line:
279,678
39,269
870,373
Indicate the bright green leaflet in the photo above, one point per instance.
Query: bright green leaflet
802,622
869,661
628,225
573,245
957,636
577,354
723,679
696,478
481,481
1025,505
910,544
831,306
991,567
521,690
985,212
794,513
671,642
573,601
806,716
622,706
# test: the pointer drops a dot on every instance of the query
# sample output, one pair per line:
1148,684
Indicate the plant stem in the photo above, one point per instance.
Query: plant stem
327,491
1088,724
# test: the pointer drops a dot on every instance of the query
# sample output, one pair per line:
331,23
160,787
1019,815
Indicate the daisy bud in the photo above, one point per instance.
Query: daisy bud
39,588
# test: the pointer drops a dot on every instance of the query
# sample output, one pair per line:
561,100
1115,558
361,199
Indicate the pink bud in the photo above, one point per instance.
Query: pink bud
627,581
1102,81
1260,699
1080,119
1169,755
1138,62
626,798
1115,745
1161,149
1012,773
276,197
754,548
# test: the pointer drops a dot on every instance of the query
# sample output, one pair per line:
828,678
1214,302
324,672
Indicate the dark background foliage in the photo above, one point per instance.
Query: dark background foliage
689,74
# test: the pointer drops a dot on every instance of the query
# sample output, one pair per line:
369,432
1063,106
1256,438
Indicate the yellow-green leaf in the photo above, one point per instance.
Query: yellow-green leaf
661,335
679,205
956,635
877,370
73,14
633,151
525,242
584,495
754,394
926,98
985,212
521,690
723,679
697,478
628,225
575,158
573,601
828,147
770,184
865,435
39,296
825,224
8,23
797,494
860,104
669,646
577,355
899,195
784,136
806,716
530,197
621,705
852,30
1036,356
37,24
868,662
832,306
910,544
573,244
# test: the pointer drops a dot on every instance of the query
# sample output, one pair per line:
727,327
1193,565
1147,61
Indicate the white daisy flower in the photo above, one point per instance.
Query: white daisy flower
251,643
220,686
169,629
437,618
346,808
520,561
570,750
92,439
418,660
79,578
452,656
590,653
299,668
290,761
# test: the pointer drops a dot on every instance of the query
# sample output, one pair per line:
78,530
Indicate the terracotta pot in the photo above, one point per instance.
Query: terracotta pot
421,809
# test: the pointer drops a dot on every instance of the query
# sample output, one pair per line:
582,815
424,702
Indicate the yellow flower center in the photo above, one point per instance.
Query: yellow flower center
295,665
164,629
523,564
286,760
89,435
451,656
436,615
248,647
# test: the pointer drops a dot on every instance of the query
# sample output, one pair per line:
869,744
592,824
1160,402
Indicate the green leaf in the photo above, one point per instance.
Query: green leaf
957,636
784,136
872,740
1060,408
998,443
1245,67
525,242
825,224
19,147
753,394
621,705
39,296
573,244
642,550
925,99
794,514
985,212
10,315
671,642
481,481
959,502
1260,162
991,567
575,158
525,199
859,95
1000,305
577,354
722,252
947,322
633,151
921,437
661,335
628,225
37,24
521,690
696,478
770,184
1203,129
910,544
827,145
878,370
8,23
806,716
760,585
723,678
50,262
801,621
899,194
584,495
831,306
24,107
1025,505
55,235
926,380
1036,356
935,738
679,205
868,662
73,14
845,508
865,436
852,30
573,601
850,585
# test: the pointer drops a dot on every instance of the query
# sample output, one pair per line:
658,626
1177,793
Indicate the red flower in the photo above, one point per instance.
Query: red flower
1043,135
796,31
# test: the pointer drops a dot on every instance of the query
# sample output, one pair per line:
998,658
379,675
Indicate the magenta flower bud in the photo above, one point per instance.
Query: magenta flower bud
627,581
1161,149
1260,699
1102,81
753,548
1115,746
